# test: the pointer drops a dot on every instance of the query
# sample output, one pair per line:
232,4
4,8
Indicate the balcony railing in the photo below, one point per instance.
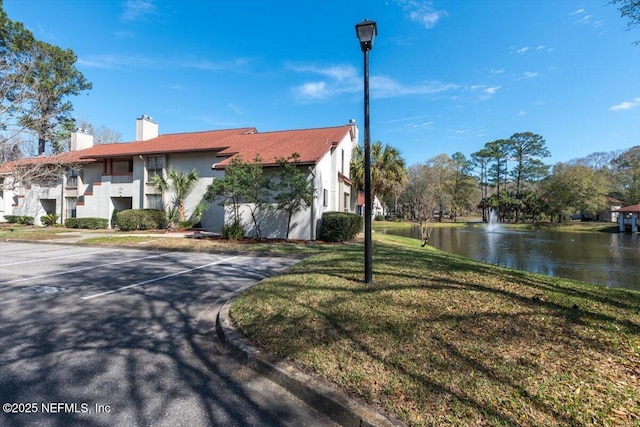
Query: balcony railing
121,179
72,181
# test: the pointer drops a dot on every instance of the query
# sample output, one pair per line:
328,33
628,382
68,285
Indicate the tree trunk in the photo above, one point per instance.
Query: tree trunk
289,223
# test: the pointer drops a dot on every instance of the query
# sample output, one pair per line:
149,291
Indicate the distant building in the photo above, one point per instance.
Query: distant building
93,180
629,218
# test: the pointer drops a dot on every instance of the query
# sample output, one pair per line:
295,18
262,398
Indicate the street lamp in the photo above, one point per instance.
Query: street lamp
367,32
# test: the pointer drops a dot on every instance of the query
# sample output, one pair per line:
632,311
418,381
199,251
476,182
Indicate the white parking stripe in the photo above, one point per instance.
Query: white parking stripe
85,268
159,278
58,257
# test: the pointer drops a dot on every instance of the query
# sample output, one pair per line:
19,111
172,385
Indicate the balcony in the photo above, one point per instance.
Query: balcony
72,182
122,179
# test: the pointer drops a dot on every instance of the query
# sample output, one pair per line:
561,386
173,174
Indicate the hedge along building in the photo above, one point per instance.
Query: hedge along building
93,180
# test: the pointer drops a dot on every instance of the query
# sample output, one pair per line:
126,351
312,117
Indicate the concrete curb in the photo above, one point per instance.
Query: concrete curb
321,395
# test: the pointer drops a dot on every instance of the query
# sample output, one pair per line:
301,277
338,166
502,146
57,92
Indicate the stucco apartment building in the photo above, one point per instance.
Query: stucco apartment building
96,179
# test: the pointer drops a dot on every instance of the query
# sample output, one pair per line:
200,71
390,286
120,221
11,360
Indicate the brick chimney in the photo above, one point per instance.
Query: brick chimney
146,128
80,140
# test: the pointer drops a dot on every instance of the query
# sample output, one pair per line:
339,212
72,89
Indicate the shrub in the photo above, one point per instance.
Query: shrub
185,225
233,231
141,219
49,219
87,223
339,226
19,219
113,217
378,217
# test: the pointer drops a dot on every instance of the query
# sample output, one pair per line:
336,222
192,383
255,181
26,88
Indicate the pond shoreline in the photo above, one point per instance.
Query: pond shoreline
574,226
591,252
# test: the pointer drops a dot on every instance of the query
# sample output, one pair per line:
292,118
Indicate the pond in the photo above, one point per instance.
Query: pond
611,259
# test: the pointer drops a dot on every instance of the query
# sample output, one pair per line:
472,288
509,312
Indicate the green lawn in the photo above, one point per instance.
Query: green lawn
23,232
442,340
209,245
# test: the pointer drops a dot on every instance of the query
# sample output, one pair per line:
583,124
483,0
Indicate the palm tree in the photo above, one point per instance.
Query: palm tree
387,170
179,182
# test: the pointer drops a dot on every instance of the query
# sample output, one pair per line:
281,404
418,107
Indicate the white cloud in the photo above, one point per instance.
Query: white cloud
522,113
343,79
313,90
586,19
420,125
340,79
486,90
135,10
421,12
529,75
109,61
115,61
235,109
626,105
338,72
525,49
123,34
205,64
386,87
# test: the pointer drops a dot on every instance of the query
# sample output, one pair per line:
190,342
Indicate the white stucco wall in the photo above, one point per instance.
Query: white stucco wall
36,200
104,192
6,197
213,218
305,223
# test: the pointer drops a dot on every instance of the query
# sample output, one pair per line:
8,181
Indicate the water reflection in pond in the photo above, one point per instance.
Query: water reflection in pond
611,259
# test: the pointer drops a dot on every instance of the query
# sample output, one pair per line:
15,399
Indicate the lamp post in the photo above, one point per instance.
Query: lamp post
367,31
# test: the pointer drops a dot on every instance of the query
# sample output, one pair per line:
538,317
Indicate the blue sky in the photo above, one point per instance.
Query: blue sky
446,76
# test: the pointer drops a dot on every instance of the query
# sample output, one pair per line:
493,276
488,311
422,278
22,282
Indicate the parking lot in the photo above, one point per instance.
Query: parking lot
111,336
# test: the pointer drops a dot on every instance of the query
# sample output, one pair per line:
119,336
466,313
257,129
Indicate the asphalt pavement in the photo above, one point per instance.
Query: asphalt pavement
97,336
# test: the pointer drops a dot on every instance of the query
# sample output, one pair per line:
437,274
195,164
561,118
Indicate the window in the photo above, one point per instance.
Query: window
72,178
154,167
154,201
346,202
325,197
71,206
342,164
122,167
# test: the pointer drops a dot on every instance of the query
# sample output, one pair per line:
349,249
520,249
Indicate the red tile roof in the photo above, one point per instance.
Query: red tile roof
212,140
67,157
310,144
632,208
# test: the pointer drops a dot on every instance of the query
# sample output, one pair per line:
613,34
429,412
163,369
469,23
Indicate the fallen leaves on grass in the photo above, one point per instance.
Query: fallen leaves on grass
441,340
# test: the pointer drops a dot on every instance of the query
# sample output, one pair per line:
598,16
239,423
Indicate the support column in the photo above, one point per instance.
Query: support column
634,222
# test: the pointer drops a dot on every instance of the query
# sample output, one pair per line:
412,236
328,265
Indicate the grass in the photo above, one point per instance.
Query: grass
443,340
23,232
208,244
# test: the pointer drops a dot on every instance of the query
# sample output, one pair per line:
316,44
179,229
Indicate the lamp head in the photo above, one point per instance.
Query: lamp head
366,32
